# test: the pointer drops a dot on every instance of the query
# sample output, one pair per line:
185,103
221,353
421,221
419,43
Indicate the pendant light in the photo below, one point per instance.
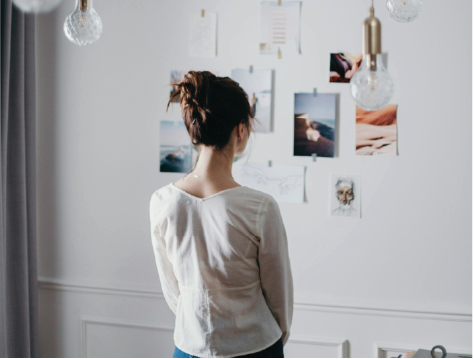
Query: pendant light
372,85
36,6
404,10
83,26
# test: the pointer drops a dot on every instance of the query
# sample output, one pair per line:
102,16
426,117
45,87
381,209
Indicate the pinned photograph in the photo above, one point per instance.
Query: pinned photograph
176,77
376,131
280,27
175,147
344,195
258,86
343,66
202,41
315,124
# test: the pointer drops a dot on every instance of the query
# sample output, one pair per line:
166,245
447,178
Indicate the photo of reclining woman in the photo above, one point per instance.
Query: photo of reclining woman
315,124
343,66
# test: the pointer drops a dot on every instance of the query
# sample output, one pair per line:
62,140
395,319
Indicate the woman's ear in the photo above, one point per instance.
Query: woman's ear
237,132
241,130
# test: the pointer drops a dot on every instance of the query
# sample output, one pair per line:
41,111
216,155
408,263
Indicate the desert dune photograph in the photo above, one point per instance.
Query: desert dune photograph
376,131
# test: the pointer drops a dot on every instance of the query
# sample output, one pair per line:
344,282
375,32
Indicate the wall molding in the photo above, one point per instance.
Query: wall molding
381,349
341,345
398,310
95,288
427,312
87,319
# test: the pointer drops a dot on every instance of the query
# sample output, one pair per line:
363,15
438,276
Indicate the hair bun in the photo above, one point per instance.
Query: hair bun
211,107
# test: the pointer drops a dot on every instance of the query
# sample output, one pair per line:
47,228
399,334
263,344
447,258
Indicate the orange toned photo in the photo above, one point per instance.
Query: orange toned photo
376,131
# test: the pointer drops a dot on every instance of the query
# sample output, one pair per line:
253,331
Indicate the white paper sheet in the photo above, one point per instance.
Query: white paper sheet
280,27
344,196
284,183
202,35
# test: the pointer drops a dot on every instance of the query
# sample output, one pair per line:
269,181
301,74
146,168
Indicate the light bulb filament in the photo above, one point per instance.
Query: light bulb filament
83,21
373,81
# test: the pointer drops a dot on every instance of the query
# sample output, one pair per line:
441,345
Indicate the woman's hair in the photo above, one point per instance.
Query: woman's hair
212,107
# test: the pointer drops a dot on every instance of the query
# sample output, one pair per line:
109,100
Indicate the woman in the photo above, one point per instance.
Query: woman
221,248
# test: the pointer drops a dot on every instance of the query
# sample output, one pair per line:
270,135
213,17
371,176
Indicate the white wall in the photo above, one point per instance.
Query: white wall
397,279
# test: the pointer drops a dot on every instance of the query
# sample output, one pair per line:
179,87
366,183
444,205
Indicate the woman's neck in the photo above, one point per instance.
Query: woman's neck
215,163
212,174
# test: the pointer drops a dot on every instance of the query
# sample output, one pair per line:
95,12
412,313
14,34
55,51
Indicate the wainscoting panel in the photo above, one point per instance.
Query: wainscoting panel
110,338
301,346
103,320
393,350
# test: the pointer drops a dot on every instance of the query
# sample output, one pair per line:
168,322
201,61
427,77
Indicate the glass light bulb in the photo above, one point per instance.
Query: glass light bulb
372,85
83,26
404,10
36,6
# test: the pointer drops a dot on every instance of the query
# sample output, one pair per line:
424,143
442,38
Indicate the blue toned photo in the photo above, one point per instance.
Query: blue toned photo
175,147
315,124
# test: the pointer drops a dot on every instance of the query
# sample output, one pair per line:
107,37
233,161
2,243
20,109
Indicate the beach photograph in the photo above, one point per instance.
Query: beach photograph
376,131
258,86
343,66
315,124
175,147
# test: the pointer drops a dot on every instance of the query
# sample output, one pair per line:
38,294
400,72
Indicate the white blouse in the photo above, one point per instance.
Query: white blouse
224,269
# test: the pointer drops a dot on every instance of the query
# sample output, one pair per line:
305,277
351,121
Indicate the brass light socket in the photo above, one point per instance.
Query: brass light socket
83,5
371,62
372,35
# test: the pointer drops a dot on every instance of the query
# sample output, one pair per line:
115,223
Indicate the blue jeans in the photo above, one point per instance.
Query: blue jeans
274,351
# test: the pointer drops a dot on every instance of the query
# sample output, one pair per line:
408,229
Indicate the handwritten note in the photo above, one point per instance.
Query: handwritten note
280,27
202,35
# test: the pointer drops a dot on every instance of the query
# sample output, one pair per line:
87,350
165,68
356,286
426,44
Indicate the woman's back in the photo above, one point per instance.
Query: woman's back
219,231
221,248
224,266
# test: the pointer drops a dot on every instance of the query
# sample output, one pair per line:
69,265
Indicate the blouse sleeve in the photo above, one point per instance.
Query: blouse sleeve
169,283
274,262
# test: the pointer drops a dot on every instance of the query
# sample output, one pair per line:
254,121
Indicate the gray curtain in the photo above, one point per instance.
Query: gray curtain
18,262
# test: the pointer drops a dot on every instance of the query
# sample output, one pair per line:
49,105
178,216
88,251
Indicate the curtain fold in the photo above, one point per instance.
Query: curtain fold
18,256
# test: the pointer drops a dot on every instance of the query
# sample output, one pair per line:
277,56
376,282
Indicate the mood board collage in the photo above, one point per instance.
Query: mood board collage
314,114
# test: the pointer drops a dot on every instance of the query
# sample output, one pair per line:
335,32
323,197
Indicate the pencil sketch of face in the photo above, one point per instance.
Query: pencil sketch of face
345,196
345,192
